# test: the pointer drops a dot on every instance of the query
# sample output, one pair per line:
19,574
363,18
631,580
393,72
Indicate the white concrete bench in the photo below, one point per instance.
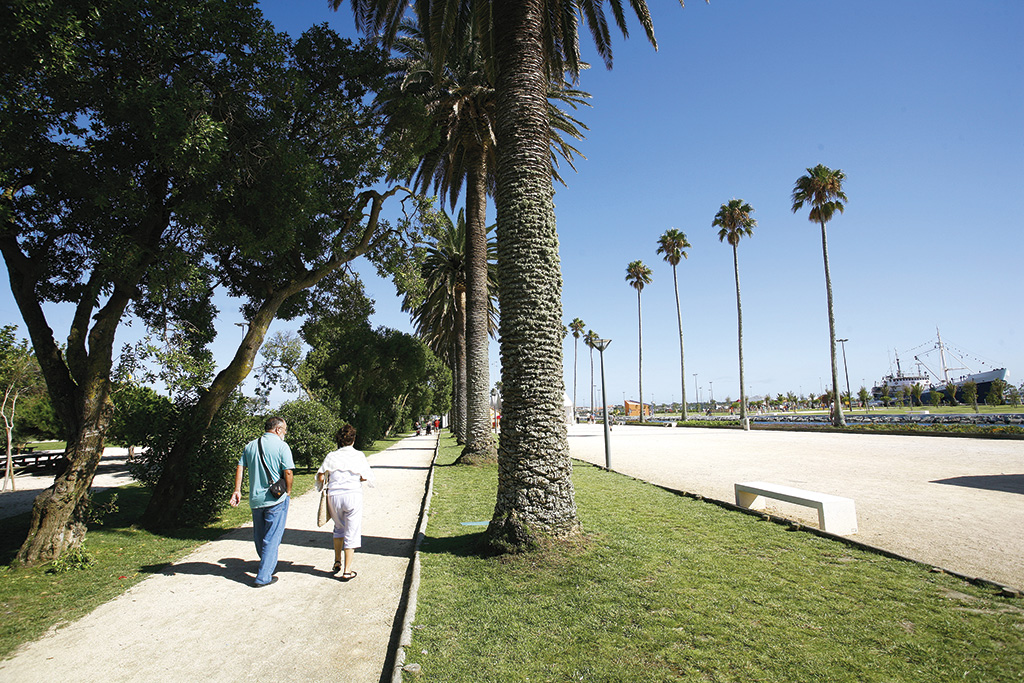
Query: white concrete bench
836,514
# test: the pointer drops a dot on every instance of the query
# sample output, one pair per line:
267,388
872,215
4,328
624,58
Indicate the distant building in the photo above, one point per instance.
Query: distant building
633,409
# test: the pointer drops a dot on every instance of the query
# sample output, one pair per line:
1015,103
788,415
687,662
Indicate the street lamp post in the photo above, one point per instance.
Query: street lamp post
601,345
711,385
697,387
849,398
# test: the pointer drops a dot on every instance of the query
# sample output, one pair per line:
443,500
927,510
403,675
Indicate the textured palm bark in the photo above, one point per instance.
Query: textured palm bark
837,414
739,325
479,442
535,492
460,366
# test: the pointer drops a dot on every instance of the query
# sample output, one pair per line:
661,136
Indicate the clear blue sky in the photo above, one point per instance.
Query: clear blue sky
921,104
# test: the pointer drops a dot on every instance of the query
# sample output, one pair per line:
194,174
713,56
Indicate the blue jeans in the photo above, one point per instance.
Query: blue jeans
267,529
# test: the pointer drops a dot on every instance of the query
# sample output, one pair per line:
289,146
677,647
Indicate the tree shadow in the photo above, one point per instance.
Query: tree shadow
1008,483
464,545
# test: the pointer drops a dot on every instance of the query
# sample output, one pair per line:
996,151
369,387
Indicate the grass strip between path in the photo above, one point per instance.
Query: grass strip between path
667,588
33,600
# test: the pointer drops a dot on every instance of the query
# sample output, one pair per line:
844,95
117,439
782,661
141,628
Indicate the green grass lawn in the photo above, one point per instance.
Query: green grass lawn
34,599
667,588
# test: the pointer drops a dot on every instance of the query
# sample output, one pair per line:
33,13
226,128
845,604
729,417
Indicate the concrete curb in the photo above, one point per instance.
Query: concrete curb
407,608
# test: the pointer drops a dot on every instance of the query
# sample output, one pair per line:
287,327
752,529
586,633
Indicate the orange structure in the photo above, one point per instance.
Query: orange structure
633,409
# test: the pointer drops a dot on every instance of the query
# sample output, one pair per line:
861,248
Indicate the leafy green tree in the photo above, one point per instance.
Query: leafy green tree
19,375
282,362
576,327
996,395
525,44
311,430
281,238
886,395
735,222
935,397
673,244
1013,395
822,188
915,394
638,275
969,391
120,127
210,466
369,378
865,396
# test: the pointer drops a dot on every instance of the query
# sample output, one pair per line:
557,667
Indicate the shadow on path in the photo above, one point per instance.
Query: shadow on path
1010,483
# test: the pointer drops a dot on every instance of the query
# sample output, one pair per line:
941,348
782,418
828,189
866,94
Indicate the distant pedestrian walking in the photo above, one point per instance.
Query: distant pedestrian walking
268,458
343,472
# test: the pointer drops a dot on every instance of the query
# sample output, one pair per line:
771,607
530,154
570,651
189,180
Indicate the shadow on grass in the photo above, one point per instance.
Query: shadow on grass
465,545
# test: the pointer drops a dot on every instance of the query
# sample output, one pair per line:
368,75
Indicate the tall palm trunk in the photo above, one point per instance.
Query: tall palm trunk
535,492
837,416
460,366
682,365
739,325
479,443
640,329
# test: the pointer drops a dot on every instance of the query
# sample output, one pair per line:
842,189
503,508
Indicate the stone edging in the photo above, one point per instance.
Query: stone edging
407,607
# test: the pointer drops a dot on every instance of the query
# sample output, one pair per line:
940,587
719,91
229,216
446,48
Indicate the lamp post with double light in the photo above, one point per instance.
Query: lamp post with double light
849,398
601,345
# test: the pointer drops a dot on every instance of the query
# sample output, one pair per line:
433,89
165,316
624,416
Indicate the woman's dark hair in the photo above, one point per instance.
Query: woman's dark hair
346,436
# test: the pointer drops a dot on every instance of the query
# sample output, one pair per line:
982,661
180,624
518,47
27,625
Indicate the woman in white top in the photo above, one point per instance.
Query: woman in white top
344,472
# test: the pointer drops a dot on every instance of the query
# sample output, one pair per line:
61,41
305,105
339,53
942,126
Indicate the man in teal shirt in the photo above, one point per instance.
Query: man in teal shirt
269,514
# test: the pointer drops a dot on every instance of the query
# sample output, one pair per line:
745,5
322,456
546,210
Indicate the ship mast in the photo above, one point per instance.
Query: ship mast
942,357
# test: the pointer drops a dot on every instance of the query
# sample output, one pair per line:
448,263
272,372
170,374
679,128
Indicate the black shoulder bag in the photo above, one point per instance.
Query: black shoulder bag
278,488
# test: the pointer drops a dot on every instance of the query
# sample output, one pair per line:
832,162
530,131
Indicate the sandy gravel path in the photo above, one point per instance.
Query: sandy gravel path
201,619
956,503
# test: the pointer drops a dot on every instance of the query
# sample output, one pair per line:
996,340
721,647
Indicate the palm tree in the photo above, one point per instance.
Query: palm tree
460,103
638,275
591,341
440,316
525,43
673,245
576,326
735,222
822,188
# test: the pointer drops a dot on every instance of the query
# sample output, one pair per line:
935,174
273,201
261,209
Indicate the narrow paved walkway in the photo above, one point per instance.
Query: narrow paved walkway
957,503
201,619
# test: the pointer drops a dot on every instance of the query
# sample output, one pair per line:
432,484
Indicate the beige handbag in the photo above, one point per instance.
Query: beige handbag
323,513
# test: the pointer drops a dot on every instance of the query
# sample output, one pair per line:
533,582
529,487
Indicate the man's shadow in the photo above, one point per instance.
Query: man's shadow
243,570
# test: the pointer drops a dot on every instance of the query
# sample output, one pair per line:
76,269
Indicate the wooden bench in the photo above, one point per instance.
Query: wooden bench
836,514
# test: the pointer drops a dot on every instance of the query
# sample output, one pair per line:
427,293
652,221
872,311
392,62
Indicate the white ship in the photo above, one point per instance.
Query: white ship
930,379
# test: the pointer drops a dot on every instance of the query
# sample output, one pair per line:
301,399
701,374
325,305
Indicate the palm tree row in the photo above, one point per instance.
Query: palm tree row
459,99
526,45
822,188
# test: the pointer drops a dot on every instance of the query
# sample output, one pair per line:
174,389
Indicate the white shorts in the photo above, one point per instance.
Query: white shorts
347,512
